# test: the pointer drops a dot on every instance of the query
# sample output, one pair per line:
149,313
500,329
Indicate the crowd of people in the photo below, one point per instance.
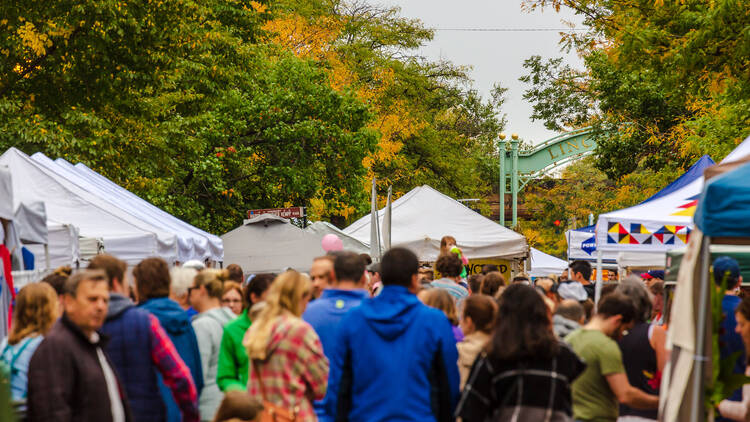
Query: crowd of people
352,341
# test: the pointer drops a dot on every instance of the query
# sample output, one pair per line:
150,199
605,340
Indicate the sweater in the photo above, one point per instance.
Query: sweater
209,326
395,360
232,371
176,322
66,380
468,350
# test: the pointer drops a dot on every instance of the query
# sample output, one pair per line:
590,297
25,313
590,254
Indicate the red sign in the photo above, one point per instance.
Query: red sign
294,212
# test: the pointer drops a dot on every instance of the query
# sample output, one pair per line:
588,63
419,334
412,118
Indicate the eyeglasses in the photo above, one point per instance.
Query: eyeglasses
231,301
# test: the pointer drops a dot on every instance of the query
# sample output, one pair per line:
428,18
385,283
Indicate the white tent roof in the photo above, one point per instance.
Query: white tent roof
322,228
543,264
6,193
124,236
582,246
423,216
658,225
192,243
63,246
268,243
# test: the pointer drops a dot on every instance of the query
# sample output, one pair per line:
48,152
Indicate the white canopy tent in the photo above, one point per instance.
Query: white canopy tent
543,264
192,243
268,243
124,236
582,246
423,216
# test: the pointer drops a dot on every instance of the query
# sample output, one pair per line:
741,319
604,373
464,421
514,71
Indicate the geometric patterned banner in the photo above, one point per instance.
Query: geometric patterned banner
639,234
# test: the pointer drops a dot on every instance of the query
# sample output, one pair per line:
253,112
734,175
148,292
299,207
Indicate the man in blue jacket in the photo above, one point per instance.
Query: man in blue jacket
325,313
394,358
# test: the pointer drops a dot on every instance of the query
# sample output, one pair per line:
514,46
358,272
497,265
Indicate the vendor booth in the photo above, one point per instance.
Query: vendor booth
541,264
421,217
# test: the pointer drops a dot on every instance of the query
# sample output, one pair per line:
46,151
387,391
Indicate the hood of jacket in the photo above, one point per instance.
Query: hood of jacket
572,290
392,312
222,315
564,326
172,317
117,305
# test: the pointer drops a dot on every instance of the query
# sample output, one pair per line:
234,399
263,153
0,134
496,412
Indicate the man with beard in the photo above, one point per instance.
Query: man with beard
604,384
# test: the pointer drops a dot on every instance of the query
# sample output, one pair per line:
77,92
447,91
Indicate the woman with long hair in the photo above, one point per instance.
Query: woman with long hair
205,297
442,300
740,410
477,324
288,369
524,372
35,312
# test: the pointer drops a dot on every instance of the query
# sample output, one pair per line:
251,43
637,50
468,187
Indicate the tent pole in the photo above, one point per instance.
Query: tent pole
46,256
697,403
598,290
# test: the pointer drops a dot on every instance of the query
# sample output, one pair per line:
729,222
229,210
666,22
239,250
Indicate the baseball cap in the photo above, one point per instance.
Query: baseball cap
724,265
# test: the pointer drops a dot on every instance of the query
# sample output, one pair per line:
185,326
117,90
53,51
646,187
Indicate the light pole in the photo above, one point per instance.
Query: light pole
501,190
514,178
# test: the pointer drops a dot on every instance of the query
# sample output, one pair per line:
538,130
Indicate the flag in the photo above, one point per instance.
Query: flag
387,221
374,225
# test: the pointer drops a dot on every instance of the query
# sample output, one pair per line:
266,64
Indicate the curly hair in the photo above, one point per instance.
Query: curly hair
35,311
449,265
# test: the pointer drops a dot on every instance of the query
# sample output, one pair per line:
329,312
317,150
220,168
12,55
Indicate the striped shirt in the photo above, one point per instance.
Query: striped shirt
456,290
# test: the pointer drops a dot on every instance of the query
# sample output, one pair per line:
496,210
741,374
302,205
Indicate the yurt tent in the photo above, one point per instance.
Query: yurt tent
423,216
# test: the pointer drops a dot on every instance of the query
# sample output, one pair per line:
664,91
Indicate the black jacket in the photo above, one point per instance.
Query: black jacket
66,381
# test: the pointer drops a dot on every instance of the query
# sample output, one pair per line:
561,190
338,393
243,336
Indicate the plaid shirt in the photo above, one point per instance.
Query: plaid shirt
173,370
295,371
533,390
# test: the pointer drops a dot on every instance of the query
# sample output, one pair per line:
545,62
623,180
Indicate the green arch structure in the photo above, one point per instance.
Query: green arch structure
520,167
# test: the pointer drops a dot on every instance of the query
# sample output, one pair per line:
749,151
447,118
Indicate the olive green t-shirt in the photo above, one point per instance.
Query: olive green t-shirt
593,400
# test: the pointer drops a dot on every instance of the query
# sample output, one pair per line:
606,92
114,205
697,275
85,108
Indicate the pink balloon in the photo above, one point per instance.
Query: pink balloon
331,243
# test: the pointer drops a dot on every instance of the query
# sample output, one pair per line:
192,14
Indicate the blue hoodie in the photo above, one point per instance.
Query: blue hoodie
176,322
324,315
395,359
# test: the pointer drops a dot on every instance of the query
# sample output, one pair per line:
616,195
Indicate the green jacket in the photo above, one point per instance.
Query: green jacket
233,363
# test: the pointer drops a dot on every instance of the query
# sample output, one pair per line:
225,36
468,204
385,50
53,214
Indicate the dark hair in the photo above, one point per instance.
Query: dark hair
582,267
482,311
366,258
617,304
488,268
349,266
58,277
744,308
491,283
257,286
152,279
475,283
237,405
607,288
570,309
235,273
449,265
637,292
72,283
398,266
524,318
656,288
520,278
114,268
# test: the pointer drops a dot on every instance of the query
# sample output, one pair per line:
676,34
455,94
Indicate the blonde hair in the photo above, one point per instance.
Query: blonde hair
284,296
213,281
35,311
442,300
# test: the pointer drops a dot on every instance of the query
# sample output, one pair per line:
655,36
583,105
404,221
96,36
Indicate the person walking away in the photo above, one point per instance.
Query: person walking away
491,283
182,281
442,300
153,283
604,383
449,266
236,274
740,410
139,349
325,314
727,268
33,315
643,352
70,377
205,297
477,324
422,373
288,369
527,379
232,297
232,372
569,316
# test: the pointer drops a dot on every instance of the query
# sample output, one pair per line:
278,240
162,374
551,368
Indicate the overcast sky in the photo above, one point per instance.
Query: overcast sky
495,57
